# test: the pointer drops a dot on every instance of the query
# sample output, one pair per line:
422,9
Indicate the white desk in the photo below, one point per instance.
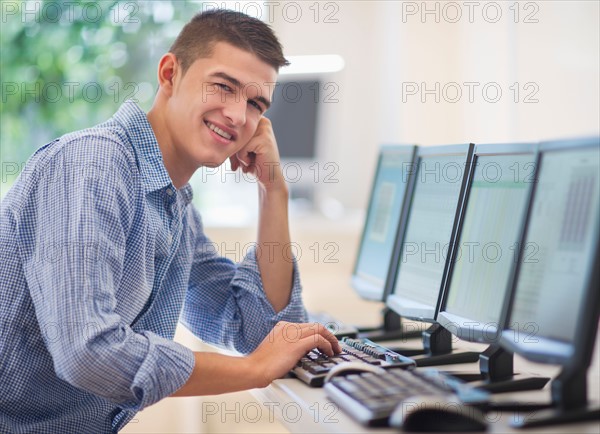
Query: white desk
302,409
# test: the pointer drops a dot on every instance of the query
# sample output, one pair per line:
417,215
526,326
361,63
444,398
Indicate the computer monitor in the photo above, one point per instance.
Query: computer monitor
482,259
384,216
552,312
419,262
294,115
394,167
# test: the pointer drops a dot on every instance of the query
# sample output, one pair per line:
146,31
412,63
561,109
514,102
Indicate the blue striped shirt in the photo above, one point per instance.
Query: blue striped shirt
100,257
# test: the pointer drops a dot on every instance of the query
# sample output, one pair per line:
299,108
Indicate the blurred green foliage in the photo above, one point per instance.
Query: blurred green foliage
66,65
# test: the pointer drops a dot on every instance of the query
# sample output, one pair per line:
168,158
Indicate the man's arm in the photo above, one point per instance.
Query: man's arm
274,254
215,373
274,259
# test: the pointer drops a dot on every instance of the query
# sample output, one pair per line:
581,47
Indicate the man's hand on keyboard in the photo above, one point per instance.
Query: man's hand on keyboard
287,343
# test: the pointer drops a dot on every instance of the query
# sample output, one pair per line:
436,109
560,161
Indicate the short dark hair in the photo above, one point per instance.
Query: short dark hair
198,37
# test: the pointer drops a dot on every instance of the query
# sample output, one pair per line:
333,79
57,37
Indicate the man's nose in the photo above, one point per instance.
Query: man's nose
235,110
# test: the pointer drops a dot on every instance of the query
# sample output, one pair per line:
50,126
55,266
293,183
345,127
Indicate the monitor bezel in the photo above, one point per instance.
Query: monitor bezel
368,287
401,305
469,329
578,354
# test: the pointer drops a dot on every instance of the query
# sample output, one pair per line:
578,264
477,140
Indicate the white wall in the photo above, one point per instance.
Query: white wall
386,49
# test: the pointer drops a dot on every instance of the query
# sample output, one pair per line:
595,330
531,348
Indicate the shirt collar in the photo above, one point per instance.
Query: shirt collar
136,125
187,193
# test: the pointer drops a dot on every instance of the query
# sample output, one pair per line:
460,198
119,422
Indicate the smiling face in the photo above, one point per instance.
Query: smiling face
204,116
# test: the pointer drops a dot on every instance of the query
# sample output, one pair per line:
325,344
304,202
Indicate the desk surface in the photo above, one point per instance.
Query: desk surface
301,408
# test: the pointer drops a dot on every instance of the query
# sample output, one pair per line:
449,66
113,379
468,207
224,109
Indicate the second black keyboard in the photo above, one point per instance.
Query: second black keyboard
372,398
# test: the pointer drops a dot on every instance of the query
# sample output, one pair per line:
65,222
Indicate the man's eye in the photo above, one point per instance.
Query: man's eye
255,105
224,87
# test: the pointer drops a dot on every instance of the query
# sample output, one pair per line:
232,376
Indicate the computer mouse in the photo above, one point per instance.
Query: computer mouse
437,414
347,368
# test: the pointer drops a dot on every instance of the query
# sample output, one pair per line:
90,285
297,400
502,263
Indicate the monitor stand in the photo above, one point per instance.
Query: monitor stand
569,402
496,370
437,349
391,329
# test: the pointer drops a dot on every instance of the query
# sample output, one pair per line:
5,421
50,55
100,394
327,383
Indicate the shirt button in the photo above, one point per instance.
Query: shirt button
170,191
169,239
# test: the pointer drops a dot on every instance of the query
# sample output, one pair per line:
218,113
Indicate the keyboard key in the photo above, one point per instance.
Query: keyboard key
318,369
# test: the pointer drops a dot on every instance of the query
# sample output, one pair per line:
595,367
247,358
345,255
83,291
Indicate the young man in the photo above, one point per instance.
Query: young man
101,252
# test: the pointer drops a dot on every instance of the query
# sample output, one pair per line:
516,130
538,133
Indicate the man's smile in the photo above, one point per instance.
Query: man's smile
220,131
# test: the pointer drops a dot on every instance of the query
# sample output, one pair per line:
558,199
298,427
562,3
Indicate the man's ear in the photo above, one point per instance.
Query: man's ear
168,66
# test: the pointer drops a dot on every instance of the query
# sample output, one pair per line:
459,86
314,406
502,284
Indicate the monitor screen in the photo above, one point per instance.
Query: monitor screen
383,217
487,243
293,113
559,248
428,233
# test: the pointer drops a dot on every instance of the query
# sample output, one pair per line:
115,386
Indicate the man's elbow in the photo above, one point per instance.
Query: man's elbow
94,369
74,366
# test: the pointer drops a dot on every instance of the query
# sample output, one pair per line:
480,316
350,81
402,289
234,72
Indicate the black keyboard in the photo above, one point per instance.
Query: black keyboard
335,326
314,367
372,398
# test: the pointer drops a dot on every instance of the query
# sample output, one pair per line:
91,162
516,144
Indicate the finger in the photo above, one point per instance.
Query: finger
241,160
310,329
330,337
316,329
335,343
234,163
323,330
337,347
321,343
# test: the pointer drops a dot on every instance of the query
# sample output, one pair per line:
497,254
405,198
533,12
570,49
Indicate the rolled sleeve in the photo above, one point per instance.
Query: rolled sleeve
248,283
226,304
152,382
